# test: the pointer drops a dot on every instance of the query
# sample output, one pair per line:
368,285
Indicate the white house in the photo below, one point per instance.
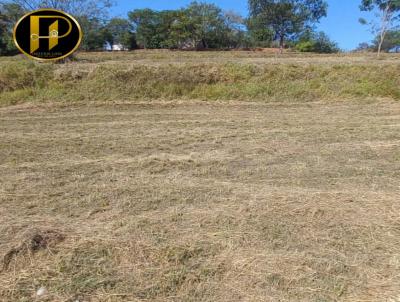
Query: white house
118,47
115,47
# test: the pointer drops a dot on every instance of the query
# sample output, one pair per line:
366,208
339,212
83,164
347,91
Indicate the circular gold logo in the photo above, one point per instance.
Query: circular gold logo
47,34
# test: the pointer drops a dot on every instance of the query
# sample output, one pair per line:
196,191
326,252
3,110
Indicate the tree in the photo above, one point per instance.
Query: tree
9,15
88,8
261,35
318,42
388,12
206,24
198,26
287,17
153,28
235,30
390,43
146,24
120,31
170,32
95,37
3,34
363,47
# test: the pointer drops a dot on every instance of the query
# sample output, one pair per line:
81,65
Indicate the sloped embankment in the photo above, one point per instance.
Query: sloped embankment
22,81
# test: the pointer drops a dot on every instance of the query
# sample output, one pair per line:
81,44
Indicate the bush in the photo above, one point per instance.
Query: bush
26,74
316,42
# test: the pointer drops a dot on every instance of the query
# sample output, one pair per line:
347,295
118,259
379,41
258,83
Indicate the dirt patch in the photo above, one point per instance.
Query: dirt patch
34,241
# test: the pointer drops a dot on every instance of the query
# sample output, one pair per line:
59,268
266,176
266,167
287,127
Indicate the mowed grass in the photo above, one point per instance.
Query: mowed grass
208,76
201,201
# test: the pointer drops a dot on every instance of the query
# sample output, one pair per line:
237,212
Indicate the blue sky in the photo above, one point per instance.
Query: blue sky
341,24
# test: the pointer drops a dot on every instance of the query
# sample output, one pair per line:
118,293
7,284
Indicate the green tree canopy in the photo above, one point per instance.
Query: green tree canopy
120,31
259,32
390,43
318,42
200,25
287,17
392,5
150,27
88,8
9,15
95,36
205,23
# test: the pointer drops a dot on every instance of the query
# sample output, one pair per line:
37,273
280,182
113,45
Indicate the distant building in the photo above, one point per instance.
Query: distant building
118,47
115,47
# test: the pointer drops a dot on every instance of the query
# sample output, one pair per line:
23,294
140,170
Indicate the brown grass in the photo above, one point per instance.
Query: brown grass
189,201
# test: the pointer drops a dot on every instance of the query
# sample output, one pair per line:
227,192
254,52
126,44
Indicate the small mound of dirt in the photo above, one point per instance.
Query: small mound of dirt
34,242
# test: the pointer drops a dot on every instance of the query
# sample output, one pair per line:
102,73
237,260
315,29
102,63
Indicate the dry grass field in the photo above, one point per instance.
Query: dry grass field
193,200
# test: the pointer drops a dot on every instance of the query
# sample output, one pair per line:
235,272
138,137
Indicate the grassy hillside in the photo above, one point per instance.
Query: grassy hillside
246,76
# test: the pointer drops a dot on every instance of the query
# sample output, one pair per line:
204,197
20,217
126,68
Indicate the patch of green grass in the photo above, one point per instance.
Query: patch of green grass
87,268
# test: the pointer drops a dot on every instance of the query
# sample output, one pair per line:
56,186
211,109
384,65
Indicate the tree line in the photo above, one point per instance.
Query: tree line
270,23
386,30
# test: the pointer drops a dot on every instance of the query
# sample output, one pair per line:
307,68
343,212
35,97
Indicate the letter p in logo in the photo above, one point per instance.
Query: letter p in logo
53,34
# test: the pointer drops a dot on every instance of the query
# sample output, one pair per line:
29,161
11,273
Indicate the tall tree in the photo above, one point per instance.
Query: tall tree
147,24
287,17
235,30
87,8
388,11
205,23
120,31
390,43
96,36
170,33
9,15
260,33
200,25
3,34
